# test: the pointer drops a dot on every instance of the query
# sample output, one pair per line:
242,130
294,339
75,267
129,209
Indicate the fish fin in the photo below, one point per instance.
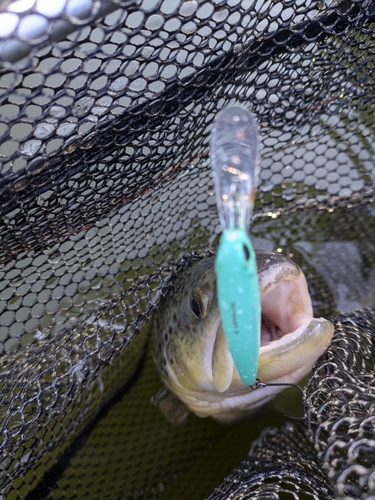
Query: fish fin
174,410
222,362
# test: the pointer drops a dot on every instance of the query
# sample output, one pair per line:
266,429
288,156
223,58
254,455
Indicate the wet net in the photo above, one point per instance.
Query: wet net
106,194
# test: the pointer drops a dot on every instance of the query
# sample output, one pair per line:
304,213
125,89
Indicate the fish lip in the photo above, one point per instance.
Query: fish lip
266,260
285,309
295,354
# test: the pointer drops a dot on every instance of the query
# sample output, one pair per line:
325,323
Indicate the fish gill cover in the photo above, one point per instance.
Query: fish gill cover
105,195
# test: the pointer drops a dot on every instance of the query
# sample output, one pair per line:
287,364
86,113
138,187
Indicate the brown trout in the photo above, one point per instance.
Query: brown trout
191,352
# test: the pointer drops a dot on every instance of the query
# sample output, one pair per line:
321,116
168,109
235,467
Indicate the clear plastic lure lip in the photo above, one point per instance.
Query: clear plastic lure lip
234,156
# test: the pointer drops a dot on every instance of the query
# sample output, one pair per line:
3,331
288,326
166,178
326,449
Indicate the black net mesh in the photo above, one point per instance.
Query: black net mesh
344,422
334,458
281,464
105,189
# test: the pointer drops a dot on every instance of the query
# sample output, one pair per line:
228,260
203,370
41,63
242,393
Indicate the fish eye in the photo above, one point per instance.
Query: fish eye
197,307
199,301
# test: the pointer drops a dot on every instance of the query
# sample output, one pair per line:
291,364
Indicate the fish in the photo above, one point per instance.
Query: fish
191,352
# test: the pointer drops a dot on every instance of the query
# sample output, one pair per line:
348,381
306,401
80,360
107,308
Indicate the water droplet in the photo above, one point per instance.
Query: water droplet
119,84
29,148
83,106
43,130
66,129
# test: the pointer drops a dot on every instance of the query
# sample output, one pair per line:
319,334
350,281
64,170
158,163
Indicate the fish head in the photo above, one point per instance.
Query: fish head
186,325
191,350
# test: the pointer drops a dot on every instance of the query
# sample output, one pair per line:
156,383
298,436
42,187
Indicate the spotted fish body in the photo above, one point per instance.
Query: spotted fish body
190,348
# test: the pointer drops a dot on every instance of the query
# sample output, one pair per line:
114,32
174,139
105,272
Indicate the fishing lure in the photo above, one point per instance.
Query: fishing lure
234,157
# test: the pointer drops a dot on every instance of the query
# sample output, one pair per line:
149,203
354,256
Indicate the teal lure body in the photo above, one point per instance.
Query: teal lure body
237,280
234,152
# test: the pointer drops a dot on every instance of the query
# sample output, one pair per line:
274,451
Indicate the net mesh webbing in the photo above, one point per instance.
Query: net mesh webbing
335,458
105,189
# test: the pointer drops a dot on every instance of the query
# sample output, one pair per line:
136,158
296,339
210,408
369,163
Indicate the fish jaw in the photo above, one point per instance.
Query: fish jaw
291,339
294,355
299,351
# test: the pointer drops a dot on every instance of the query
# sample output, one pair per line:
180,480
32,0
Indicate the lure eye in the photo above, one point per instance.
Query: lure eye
246,252
197,308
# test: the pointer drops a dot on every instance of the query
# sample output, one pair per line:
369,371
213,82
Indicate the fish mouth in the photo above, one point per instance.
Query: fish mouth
291,338
286,306
285,299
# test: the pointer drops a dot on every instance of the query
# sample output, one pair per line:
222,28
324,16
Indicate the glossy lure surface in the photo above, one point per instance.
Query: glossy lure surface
234,153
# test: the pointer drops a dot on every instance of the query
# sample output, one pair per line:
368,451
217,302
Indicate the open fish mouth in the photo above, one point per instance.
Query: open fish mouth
291,338
286,306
